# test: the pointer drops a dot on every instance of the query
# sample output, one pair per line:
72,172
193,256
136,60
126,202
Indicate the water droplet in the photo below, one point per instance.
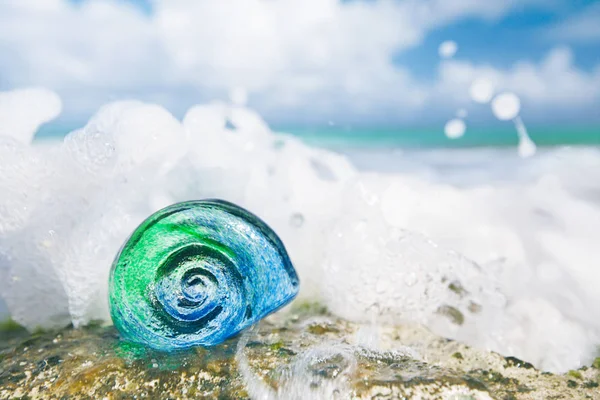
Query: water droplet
481,90
447,49
297,220
455,128
506,106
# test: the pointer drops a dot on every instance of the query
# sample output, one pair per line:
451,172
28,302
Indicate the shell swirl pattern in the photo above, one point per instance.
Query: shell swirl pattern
196,273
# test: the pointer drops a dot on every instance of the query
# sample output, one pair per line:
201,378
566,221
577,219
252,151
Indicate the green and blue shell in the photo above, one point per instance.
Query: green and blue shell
196,273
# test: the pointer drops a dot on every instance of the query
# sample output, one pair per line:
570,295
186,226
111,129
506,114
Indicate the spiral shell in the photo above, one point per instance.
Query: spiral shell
196,273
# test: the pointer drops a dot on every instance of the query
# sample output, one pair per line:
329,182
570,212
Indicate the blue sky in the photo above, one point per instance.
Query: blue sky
503,42
309,62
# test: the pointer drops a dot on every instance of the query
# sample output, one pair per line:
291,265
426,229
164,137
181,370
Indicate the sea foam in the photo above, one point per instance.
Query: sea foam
501,258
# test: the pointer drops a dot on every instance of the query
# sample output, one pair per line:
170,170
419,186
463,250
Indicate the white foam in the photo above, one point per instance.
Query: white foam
23,111
359,240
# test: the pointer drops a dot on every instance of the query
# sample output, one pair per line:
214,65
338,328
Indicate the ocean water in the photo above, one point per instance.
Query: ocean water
405,138
477,243
394,138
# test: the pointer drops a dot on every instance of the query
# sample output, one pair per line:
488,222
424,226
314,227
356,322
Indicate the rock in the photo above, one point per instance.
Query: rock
302,353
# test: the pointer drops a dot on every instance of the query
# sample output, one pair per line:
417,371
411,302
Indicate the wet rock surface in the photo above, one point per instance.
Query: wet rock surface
304,353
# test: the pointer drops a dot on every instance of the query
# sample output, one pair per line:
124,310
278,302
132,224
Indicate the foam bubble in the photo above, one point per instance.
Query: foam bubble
455,128
506,106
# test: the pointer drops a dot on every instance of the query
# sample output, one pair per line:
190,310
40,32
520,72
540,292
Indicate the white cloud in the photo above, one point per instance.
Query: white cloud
554,82
320,57
584,26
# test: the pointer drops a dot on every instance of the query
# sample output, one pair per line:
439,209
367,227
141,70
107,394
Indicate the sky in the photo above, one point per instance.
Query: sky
310,62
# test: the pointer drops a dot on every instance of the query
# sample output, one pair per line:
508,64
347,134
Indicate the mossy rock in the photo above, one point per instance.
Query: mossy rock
304,351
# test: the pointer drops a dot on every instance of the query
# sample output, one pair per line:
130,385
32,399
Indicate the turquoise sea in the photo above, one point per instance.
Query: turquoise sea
435,138
425,138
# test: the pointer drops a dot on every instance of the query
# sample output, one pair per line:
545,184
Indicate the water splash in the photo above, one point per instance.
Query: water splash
364,238
527,147
506,106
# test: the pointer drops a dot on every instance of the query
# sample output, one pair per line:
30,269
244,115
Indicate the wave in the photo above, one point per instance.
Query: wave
478,245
